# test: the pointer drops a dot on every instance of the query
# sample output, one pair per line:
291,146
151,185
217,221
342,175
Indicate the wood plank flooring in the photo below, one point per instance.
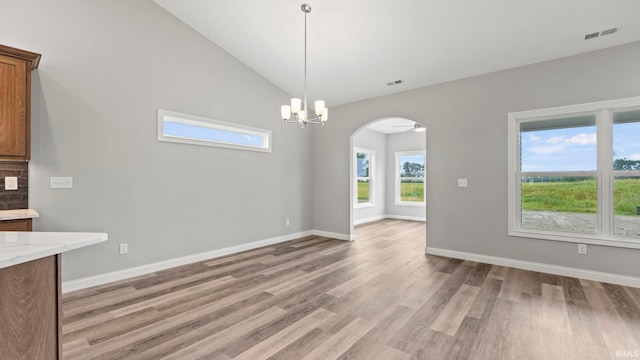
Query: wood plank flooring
379,297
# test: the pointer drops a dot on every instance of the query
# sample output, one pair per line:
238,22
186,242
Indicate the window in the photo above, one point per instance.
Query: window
410,178
189,129
575,173
626,173
364,177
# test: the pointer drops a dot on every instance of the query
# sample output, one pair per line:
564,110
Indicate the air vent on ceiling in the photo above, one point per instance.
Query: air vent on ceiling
601,33
394,82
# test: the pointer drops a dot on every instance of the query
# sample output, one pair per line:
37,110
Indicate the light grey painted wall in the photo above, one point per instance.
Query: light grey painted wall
467,137
107,66
405,141
373,140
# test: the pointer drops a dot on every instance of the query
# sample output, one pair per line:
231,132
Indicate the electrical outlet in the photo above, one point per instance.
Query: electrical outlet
582,249
124,248
287,222
462,182
61,182
11,183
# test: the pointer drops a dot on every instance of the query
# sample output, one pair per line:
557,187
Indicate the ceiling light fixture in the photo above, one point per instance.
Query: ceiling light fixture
298,107
415,127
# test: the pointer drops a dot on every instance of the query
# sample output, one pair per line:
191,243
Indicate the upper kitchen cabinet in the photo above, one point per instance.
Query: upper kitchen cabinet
15,102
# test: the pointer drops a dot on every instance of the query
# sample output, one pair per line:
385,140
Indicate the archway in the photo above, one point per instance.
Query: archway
388,171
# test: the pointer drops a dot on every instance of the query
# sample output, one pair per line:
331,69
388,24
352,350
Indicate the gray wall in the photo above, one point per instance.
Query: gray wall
467,137
373,140
107,66
405,141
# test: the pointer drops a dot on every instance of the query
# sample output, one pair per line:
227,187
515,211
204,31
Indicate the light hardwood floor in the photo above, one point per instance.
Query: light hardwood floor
379,297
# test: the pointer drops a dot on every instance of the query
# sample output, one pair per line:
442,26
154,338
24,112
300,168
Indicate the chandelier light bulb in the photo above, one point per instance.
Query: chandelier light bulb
325,115
286,112
296,105
319,105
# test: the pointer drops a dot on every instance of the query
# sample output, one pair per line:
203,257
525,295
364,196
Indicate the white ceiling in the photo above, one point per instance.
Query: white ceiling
356,46
392,125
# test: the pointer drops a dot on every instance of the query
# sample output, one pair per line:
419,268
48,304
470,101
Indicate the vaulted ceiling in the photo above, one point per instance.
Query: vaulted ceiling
356,47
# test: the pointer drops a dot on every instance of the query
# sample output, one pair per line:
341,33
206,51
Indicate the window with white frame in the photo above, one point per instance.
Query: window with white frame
410,180
575,173
190,129
363,161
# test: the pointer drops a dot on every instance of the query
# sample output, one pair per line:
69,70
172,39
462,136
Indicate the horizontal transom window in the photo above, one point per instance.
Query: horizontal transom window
195,130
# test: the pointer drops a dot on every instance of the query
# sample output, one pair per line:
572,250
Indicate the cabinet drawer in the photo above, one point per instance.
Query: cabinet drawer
16,225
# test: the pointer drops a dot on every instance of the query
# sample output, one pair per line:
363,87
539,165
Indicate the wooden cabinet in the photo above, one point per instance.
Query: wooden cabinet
15,102
16,225
30,310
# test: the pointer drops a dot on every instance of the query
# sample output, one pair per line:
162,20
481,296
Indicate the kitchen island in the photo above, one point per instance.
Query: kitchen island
30,291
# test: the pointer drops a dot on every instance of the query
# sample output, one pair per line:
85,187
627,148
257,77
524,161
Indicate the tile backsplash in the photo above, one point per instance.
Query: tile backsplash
14,199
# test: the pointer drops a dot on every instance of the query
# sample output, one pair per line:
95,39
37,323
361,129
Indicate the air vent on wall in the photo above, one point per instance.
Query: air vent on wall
601,33
394,82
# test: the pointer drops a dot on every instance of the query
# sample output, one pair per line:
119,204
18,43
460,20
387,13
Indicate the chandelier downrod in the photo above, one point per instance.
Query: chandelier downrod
298,112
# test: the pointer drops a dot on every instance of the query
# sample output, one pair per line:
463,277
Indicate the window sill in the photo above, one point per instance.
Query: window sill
591,239
416,204
364,205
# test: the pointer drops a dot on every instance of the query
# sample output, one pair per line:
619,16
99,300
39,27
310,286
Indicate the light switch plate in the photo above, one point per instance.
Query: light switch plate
61,182
11,183
462,182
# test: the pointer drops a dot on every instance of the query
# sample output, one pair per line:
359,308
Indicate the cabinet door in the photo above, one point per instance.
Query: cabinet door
16,225
29,310
13,108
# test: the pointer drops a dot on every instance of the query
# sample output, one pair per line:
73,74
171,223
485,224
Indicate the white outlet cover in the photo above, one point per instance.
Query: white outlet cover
11,183
582,249
462,182
57,182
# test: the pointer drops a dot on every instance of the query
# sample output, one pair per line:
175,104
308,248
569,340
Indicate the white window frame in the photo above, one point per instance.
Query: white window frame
371,178
398,202
165,116
605,174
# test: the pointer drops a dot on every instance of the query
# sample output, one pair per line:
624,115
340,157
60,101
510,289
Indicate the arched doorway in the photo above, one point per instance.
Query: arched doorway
388,171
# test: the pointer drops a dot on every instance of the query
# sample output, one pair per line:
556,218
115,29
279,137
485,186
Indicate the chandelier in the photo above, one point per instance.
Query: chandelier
297,112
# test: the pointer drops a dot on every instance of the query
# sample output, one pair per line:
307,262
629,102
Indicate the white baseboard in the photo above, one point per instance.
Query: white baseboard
402,217
162,265
381,217
368,220
346,237
540,267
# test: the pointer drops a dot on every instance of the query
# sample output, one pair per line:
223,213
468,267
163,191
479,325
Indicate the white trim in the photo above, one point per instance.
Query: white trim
410,218
387,216
562,110
332,235
396,190
371,177
605,231
368,220
201,122
364,205
540,267
95,280
592,239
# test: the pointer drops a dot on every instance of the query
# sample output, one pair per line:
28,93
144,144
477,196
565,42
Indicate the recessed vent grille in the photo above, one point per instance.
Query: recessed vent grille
601,33
394,82
592,35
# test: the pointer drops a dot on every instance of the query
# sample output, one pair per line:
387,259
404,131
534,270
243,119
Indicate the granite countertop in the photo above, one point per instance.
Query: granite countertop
18,214
19,247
